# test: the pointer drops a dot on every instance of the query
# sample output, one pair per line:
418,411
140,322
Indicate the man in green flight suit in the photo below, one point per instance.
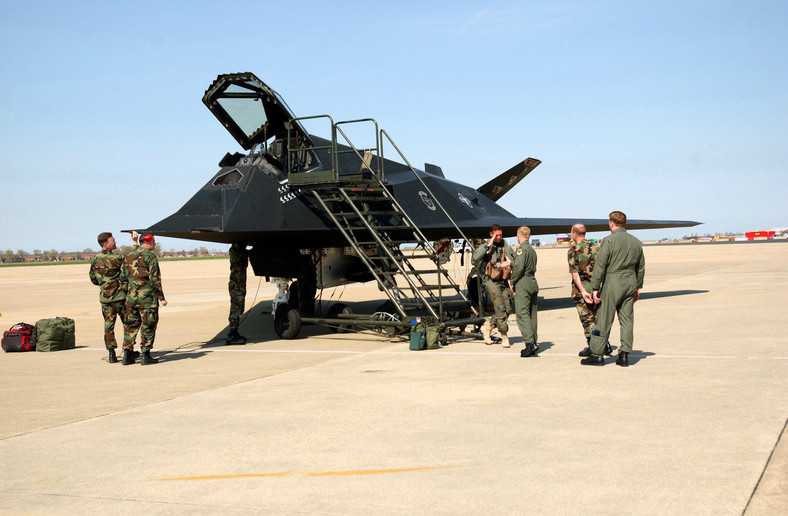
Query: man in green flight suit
525,291
495,253
581,257
141,270
105,272
619,272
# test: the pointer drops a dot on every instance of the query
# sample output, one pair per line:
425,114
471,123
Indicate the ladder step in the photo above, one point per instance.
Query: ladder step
371,198
360,189
447,305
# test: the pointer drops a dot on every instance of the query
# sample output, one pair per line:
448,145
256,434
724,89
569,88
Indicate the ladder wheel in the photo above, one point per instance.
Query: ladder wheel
334,311
287,322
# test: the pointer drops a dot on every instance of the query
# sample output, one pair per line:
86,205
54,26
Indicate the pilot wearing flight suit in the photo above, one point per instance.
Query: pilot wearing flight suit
496,253
526,290
619,272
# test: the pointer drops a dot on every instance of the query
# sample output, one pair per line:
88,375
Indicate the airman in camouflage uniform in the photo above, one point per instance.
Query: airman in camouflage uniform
581,257
526,291
239,260
105,272
618,272
495,251
141,270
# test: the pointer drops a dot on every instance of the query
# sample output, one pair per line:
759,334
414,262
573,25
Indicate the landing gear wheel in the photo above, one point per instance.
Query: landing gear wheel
287,322
334,311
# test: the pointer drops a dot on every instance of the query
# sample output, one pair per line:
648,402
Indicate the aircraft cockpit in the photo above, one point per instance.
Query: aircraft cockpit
260,121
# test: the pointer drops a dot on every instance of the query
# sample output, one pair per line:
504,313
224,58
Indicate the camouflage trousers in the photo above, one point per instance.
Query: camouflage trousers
587,314
501,298
237,305
142,320
111,311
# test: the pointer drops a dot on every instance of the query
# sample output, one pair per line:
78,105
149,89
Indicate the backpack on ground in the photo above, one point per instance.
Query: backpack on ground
20,337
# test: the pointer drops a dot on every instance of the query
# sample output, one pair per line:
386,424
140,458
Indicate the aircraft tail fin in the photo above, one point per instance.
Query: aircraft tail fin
496,188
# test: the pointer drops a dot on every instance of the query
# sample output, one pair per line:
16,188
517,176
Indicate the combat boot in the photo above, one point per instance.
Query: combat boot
113,358
485,329
128,357
505,341
147,359
623,359
529,350
233,337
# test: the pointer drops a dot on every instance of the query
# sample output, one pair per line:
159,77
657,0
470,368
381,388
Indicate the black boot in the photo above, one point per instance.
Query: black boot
608,349
623,359
529,350
128,357
593,360
113,358
233,337
147,359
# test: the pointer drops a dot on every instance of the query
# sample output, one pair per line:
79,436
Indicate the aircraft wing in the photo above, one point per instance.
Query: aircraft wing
496,188
480,228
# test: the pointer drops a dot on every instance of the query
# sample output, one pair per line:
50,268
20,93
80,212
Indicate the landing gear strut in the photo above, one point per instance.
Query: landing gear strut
287,321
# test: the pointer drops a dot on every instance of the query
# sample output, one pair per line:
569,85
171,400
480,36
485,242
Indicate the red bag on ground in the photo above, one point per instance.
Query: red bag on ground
20,337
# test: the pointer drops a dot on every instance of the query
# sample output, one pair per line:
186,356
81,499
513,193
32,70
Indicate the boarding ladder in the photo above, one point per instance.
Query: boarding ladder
365,211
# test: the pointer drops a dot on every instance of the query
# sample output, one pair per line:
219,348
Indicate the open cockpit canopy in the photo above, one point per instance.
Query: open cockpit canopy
252,112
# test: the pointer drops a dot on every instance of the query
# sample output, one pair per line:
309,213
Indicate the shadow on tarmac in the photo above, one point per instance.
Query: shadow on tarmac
175,355
566,302
671,293
638,355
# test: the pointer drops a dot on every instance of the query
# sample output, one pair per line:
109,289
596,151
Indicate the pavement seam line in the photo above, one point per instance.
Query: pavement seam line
765,467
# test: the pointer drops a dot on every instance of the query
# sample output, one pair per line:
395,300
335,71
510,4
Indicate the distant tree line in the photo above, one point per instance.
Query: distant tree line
53,255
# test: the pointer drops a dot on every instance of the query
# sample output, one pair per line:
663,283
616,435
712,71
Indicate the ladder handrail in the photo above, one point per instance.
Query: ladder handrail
332,147
413,170
378,149
417,232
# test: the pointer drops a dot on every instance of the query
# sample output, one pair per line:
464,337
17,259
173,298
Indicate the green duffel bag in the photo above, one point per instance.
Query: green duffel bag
55,334
418,337
432,332
433,337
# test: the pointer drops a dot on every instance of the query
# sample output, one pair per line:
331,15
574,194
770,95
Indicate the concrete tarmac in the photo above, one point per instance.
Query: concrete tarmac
356,423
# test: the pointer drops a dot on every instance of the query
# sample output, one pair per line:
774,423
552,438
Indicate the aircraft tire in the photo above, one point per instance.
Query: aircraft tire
287,322
335,310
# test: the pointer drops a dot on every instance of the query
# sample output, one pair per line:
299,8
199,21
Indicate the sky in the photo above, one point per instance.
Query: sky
663,110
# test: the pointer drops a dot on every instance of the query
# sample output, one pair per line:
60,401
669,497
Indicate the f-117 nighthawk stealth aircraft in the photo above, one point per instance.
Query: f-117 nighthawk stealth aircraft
324,212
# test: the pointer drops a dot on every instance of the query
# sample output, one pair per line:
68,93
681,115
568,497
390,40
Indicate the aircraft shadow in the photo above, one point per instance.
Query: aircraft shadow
671,293
566,302
257,324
